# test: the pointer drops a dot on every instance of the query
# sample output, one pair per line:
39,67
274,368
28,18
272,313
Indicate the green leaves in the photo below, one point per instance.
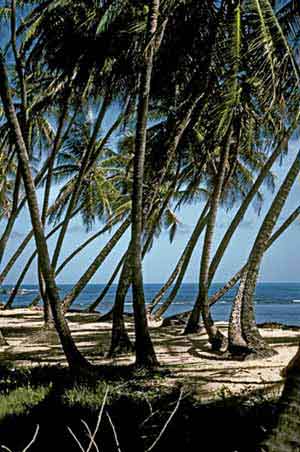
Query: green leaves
113,11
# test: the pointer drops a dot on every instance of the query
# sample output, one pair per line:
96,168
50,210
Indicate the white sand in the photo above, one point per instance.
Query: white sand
188,358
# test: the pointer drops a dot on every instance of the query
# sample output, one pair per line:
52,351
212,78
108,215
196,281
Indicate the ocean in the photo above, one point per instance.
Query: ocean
274,302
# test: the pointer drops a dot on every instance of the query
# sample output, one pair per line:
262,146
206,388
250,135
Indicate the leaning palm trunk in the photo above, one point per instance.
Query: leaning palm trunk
102,295
27,239
236,343
79,179
37,299
145,354
83,245
87,163
16,211
48,321
15,256
235,279
248,199
120,341
202,302
237,276
74,253
17,286
177,128
255,343
235,335
13,216
2,340
9,227
183,265
75,360
94,266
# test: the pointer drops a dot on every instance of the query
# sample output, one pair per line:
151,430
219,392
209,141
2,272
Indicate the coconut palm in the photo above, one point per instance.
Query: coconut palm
237,84
254,342
74,357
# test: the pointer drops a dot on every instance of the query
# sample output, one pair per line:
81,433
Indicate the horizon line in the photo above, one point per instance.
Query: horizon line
145,283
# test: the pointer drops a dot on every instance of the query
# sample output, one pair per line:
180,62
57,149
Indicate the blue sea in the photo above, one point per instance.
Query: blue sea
274,302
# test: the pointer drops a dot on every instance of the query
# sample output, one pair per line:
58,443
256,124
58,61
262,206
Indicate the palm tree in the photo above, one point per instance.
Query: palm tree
76,361
254,342
94,266
224,129
235,97
2,339
180,268
235,279
120,342
145,355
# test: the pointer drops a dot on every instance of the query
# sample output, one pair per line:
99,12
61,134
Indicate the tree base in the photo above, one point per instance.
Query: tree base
219,342
120,345
108,317
147,362
260,354
247,353
237,346
193,329
3,342
46,335
83,370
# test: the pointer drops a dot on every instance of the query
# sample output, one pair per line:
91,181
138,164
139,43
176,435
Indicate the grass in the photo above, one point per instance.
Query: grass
139,406
21,400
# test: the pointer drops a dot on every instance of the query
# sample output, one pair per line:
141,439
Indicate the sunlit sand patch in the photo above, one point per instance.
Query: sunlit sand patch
188,359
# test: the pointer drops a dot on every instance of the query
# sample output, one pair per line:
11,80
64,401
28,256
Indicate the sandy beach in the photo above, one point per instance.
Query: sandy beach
188,360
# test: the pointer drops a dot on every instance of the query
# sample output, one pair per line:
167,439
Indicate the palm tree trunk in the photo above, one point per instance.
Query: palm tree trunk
75,359
35,302
255,343
145,354
120,339
2,340
13,215
73,254
94,266
176,128
6,234
48,320
248,199
83,245
15,257
182,265
79,179
120,342
101,297
236,343
233,281
17,286
202,304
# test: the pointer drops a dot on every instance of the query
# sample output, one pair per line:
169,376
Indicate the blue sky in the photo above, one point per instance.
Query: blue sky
281,263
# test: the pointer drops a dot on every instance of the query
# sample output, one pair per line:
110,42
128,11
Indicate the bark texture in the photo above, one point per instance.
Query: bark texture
75,359
256,345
